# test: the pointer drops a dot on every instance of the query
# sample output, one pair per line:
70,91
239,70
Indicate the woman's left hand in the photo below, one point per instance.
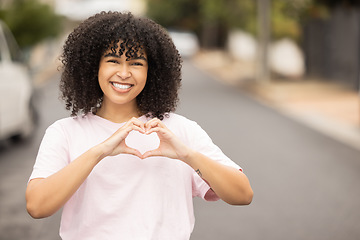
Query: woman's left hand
170,146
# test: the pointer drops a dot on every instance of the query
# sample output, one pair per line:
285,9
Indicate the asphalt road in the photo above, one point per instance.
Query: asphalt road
305,183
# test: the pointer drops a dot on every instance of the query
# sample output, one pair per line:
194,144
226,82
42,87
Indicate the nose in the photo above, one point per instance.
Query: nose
123,72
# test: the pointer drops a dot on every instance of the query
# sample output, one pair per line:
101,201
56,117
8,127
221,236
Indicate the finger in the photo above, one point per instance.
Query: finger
136,122
151,153
136,128
139,126
134,125
124,132
155,129
132,151
152,123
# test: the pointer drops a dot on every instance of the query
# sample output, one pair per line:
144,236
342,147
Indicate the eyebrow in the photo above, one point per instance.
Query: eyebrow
117,56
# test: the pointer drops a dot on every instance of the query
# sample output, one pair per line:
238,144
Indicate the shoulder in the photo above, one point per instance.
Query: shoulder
175,120
188,130
70,123
70,130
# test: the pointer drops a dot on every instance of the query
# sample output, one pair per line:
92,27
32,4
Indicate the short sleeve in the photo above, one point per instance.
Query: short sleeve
201,142
53,153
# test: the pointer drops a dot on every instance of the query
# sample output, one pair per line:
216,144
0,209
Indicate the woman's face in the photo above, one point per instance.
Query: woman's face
122,79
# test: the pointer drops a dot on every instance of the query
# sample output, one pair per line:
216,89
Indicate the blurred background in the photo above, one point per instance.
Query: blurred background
289,71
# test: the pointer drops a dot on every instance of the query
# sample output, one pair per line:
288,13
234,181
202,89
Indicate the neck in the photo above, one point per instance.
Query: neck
117,114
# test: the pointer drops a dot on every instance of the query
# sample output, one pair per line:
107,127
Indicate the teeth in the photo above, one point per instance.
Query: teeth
121,86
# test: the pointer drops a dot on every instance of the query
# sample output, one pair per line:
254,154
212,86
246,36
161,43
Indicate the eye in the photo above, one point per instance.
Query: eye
137,64
112,61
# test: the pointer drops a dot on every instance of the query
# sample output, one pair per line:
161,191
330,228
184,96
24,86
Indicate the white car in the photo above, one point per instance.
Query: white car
16,110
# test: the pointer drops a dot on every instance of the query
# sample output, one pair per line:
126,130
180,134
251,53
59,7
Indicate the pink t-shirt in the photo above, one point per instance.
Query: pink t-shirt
126,197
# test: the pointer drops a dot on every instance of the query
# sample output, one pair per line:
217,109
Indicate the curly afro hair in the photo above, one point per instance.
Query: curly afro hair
85,46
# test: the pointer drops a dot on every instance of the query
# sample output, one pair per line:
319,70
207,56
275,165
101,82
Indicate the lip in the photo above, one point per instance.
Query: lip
125,90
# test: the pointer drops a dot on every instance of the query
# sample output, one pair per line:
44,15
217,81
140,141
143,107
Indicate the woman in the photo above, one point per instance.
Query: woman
124,166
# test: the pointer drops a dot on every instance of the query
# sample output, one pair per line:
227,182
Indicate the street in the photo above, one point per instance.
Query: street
305,183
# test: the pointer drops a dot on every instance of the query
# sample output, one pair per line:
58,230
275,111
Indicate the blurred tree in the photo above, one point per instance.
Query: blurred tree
209,19
233,13
212,19
31,21
176,14
219,16
213,23
287,18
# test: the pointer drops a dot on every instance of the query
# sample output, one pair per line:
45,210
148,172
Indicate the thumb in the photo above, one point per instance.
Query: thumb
132,151
152,153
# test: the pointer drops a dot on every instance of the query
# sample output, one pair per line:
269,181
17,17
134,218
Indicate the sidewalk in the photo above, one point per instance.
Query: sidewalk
327,107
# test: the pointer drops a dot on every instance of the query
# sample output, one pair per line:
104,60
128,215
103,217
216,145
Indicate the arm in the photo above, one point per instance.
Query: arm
45,196
230,184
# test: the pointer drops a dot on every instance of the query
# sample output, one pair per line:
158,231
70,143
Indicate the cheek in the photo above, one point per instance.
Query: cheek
103,75
142,78
102,83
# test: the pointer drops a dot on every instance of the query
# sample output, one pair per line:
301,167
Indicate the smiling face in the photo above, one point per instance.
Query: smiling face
121,79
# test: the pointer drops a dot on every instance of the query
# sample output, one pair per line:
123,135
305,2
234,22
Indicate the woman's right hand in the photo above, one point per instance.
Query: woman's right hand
116,145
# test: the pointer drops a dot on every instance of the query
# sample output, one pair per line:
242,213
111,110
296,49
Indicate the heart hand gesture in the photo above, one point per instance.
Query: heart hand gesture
170,146
115,144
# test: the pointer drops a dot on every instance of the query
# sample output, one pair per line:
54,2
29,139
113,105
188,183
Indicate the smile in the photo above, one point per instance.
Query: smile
121,86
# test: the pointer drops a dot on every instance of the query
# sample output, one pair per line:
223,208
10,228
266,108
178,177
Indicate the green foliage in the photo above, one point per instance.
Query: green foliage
178,14
207,18
191,15
31,21
232,13
287,17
